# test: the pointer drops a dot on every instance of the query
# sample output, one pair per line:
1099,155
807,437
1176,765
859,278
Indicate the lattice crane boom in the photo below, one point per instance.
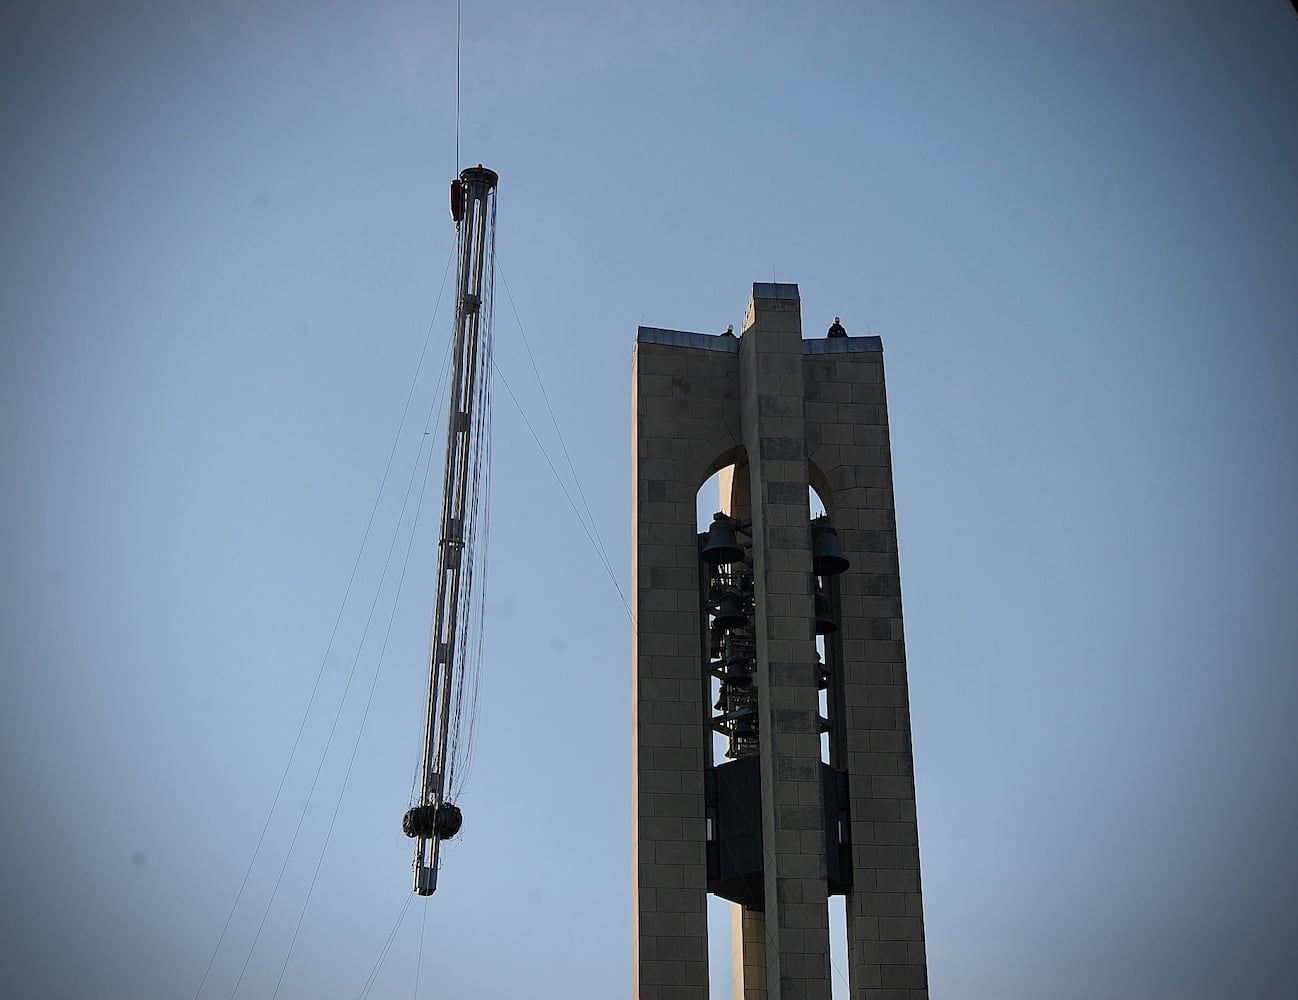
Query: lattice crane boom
457,613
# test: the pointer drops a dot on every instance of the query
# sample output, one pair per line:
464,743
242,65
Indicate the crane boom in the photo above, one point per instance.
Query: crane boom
434,817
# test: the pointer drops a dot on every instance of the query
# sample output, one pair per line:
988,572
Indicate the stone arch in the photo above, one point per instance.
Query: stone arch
735,455
820,482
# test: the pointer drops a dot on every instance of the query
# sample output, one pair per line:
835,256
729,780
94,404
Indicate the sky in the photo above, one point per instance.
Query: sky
1074,225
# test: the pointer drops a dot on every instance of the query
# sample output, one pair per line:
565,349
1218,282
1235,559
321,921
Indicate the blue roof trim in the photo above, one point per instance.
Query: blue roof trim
681,338
844,345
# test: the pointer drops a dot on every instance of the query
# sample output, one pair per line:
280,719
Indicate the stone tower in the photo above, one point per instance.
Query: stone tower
770,716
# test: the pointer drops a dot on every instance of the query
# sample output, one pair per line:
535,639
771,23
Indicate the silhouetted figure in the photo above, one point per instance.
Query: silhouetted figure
837,329
730,331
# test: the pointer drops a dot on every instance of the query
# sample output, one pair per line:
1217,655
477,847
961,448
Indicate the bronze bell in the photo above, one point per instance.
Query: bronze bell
731,689
730,611
825,623
745,727
715,635
827,557
736,672
721,546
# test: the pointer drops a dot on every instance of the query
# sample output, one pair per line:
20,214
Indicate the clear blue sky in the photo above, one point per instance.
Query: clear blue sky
1074,224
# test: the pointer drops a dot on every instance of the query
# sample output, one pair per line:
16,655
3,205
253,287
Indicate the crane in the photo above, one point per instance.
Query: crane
457,614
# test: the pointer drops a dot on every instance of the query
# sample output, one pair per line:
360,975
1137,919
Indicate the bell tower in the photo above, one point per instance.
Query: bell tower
770,716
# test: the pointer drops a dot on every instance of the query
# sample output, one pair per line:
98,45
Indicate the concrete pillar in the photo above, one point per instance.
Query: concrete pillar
748,952
851,464
684,401
771,407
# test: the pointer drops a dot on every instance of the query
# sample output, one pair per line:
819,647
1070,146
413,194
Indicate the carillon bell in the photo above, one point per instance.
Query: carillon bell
825,623
730,611
745,727
736,672
721,546
729,690
827,557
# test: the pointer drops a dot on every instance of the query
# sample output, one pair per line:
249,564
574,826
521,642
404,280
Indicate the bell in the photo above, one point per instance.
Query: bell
730,611
736,672
721,545
827,557
732,691
745,727
825,624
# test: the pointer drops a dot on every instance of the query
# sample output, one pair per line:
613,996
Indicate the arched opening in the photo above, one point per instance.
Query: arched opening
727,596
719,494
819,505
826,615
728,637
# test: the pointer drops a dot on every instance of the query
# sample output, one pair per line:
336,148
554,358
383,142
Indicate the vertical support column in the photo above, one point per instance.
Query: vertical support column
849,444
771,408
748,952
683,403
747,927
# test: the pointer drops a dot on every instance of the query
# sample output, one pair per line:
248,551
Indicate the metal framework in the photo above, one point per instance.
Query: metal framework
458,609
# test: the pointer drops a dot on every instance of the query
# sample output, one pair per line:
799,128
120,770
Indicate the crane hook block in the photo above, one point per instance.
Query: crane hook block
441,821
457,201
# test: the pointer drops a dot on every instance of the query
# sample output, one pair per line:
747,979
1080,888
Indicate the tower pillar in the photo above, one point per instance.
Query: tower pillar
774,432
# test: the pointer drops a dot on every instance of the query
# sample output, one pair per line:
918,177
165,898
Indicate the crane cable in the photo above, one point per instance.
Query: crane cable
405,564
598,542
471,605
333,635
333,729
456,171
586,520
383,952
